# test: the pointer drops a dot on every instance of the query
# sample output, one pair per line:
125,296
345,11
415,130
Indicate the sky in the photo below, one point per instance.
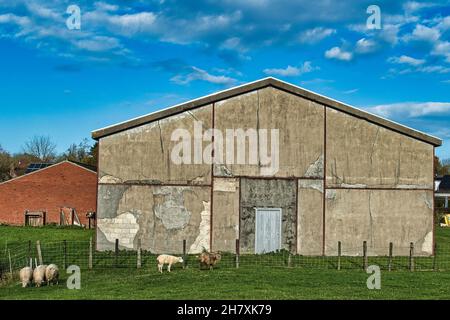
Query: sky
129,58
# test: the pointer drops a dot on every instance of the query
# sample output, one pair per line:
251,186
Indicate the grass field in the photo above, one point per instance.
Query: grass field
259,282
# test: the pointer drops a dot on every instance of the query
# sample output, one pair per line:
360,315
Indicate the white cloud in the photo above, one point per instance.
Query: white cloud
442,48
406,60
411,109
412,6
106,6
423,33
365,46
315,35
14,19
98,43
339,54
290,71
199,74
351,91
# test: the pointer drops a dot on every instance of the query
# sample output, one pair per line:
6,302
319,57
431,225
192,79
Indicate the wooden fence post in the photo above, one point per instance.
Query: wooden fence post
237,253
184,254
139,261
90,253
38,247
64,254
411,256
116,253
339,255
365,261
10,264
391,248
29,251
435,258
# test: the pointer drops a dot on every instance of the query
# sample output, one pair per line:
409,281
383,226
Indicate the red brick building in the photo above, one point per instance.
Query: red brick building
64,184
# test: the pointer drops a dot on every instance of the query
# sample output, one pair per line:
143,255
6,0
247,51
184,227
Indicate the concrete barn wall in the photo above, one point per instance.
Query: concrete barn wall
225,222
160,216
379,217
264,193
135,166
300,123
143,154
309,217
367,155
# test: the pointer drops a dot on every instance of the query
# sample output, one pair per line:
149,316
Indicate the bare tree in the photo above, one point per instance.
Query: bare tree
41,147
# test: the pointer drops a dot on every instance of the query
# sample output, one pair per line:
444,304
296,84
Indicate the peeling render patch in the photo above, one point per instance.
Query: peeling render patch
427,245
413,186
222,170
170,207
330,194
311,184
202,240
353,186
109,179
315,169
427,201
124,227
225,185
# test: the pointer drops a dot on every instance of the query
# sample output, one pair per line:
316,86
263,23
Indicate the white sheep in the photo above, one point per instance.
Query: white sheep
39,275
52,274
26,276
167,259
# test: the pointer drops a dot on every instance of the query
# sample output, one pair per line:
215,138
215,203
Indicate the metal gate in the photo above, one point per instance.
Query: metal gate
267,230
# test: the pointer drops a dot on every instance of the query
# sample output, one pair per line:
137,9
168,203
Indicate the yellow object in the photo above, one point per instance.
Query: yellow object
445,222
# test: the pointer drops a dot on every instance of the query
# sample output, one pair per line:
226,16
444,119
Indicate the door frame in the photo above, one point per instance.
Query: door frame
269,209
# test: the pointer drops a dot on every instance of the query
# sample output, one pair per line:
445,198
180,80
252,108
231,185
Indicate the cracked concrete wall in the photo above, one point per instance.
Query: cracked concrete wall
143,154
264,193
225,214
379,217
300,123
160,216
310,217
367,155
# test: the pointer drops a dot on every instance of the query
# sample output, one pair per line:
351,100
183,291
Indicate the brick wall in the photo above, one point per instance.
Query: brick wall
63,184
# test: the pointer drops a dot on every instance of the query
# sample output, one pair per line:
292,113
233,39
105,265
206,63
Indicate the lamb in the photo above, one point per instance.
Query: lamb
52,274
209,259
39,275
167,259
26,276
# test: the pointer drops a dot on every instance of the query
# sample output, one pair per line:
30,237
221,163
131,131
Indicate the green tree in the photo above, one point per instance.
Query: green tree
6,165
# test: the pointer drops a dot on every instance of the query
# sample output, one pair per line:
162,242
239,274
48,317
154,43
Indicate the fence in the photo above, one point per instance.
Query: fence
16,255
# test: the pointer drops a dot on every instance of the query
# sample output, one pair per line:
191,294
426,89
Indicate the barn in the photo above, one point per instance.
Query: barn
271,164
49,188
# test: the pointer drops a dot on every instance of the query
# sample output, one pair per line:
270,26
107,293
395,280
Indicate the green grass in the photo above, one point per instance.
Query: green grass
308,279
244,283
47,233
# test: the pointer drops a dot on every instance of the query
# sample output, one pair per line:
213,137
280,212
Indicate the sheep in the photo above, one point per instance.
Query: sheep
26,276
167,259
209,259
39,275
52,274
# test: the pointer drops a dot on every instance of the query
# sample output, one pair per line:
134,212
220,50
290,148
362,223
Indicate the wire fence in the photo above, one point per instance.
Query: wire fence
16,255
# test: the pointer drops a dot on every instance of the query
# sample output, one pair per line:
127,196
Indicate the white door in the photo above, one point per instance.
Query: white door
267,230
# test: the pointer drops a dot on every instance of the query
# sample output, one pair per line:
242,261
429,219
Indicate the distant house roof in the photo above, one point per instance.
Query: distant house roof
259,84
444,185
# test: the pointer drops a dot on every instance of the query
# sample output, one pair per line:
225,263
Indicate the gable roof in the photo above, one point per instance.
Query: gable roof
82,166
259,84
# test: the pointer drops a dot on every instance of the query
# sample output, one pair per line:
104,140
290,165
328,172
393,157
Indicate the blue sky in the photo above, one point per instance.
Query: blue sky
130,58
